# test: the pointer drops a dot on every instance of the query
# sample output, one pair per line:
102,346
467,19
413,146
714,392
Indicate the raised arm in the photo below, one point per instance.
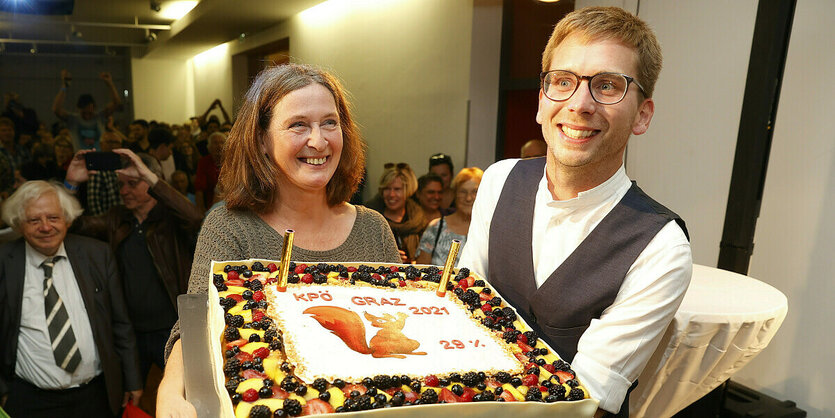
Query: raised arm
223,111
202,118
58,102
115,101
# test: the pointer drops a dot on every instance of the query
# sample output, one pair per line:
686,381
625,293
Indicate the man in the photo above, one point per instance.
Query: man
87,125
534,148
137,139
441,164
606,266
7,168
208,170
429,194
63,291
153,235
160,140
17,155
25,118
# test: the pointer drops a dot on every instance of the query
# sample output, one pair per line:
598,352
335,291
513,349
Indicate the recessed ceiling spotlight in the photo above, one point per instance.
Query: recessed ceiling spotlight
155,6
33,49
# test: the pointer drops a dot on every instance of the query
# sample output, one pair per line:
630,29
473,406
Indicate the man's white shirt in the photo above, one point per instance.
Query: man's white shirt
35,361
615,348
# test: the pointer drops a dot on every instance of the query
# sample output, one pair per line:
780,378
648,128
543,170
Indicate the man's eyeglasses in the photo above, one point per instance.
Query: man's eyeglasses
605,88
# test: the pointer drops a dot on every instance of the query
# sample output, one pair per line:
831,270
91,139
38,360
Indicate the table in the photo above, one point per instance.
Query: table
724,321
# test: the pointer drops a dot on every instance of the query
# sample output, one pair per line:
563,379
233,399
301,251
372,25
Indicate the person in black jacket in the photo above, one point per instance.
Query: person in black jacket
63,291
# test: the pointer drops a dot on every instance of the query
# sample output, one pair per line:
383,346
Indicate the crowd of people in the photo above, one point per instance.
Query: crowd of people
593,264
150,211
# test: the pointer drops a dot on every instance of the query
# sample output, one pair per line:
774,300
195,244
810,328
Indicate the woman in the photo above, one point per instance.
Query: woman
404,216
436,241
292,160
429,194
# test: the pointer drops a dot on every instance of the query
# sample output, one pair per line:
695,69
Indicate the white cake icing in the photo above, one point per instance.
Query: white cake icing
440,336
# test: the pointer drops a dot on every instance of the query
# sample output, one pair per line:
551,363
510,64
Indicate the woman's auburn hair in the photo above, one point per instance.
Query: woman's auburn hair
465,175
248,174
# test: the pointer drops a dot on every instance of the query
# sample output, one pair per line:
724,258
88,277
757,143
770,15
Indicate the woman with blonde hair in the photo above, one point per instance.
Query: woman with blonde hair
404,215
292,160
437,239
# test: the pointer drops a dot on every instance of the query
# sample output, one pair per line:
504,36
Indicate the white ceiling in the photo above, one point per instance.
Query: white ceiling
124,23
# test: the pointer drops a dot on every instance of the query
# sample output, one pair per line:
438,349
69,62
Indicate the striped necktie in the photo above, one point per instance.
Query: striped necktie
64,345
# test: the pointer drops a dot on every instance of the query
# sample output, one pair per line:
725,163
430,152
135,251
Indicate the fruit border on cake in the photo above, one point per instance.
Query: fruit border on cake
254,379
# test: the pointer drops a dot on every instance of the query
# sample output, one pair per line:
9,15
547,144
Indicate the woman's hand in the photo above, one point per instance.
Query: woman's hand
171,401
174,405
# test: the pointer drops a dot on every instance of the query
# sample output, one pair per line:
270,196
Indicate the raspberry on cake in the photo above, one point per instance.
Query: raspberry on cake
357,337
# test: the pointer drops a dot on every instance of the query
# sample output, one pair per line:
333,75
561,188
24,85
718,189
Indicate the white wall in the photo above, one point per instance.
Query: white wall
163,90
405,63
212,72
794,247
485,63
685,161
686,157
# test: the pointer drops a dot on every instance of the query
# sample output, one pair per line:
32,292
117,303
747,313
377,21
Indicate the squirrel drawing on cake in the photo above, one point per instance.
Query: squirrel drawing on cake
389,342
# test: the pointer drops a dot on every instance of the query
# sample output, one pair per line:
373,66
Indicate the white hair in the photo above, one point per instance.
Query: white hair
14,208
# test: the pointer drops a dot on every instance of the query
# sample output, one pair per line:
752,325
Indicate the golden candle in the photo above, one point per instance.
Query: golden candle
450,262
285,260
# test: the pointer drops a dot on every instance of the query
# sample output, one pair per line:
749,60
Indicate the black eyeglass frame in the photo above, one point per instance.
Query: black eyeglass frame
580,78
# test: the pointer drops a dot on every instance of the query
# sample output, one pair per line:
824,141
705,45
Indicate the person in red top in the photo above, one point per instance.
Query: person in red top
208,169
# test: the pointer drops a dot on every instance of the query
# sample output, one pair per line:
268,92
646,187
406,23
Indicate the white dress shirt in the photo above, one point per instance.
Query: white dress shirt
615,348
35,361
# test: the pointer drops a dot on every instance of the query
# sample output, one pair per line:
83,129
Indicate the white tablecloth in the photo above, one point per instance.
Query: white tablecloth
725,320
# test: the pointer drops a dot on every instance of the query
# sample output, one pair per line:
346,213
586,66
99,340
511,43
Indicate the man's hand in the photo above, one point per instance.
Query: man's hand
132,396
106,77
66,77
136,169
77,172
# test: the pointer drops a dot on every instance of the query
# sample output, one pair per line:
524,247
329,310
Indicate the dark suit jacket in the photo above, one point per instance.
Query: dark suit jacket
96,273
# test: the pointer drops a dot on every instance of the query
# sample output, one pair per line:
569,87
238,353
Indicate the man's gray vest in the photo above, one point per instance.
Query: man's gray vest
588,281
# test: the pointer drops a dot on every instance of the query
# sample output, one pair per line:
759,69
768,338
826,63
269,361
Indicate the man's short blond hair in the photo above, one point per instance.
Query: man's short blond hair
596,23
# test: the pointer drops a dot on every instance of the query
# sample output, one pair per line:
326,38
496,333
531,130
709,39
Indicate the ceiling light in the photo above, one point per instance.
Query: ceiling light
33,49
176,9
75,32
155,6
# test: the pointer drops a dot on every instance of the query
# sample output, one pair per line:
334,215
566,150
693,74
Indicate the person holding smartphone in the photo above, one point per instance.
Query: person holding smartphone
152,234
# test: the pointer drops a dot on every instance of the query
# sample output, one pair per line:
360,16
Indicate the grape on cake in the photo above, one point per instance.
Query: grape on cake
356,337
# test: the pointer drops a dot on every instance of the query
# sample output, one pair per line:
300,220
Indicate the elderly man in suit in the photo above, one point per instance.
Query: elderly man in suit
68,347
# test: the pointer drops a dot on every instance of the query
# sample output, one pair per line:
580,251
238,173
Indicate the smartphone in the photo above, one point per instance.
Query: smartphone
103,161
